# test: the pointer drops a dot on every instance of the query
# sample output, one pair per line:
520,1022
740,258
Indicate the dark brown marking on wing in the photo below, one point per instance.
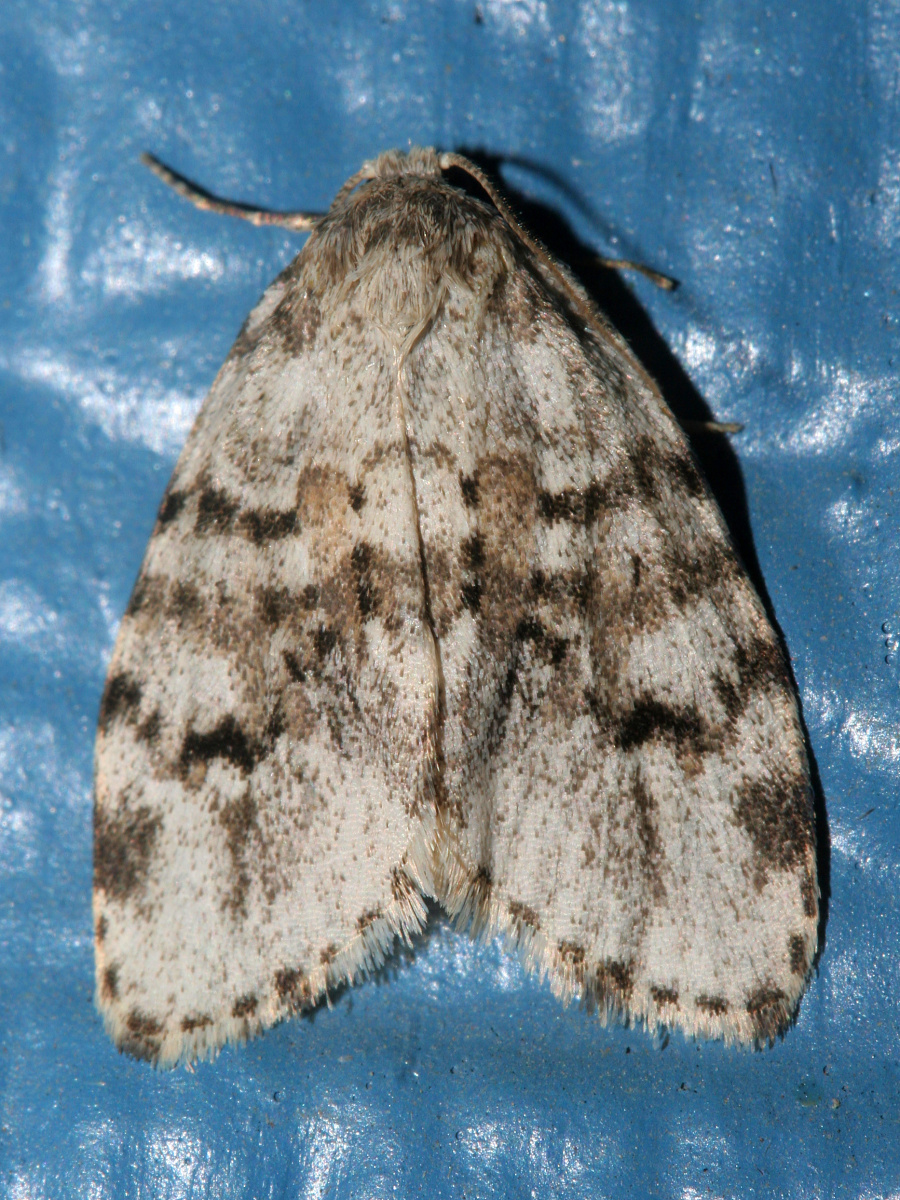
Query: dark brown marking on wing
527,630
471,595
563,590
143,1037
646,477
121,699
716,1006
267,524
109,987
544,585
551,648
245,1006
797,955
613,982
808,892
664,995
295,322
148,730
357,496
123,846
776,813
140,1024
572,960
239,818
557,647
286,980
681,467
767,1007
469,487
278,605
362,564
216,511
184,603
292,987
760,667
658,469
322,496
480,888
650,720
138,597
192,1024
599,496
368,918
685,578
583,505
654,590
328,955
274,605
148,595
248,339
567,505
172,504
324,641
226,740
274,727
402,887
294,669
635,571
521,301
472,552
102,929
652,855
524,915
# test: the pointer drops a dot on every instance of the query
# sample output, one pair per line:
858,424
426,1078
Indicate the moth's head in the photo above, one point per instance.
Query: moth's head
418,160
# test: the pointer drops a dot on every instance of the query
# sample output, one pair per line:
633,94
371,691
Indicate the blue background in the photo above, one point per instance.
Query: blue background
753,152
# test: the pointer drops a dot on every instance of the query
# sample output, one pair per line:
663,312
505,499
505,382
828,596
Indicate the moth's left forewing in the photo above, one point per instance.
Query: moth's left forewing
627,792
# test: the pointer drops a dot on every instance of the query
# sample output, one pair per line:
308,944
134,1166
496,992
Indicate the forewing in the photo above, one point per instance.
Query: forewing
265,729
626,786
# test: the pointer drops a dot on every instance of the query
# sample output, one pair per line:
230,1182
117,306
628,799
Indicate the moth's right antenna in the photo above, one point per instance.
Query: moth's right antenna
666,282
301,222
615,264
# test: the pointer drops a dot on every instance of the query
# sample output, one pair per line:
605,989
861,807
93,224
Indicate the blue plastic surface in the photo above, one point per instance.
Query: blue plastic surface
751,151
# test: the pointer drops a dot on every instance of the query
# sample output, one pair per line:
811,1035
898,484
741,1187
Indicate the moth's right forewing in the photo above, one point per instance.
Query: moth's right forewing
267,730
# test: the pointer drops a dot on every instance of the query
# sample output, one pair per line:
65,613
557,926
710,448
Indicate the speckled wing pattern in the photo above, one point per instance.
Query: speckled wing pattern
437,605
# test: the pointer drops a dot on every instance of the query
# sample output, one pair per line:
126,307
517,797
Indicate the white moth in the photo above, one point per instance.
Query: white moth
437,605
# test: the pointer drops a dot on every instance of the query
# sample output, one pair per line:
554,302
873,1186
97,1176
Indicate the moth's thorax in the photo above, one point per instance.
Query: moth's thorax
404,240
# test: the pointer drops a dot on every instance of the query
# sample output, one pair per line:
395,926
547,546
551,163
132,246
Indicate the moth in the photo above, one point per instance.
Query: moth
437,605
